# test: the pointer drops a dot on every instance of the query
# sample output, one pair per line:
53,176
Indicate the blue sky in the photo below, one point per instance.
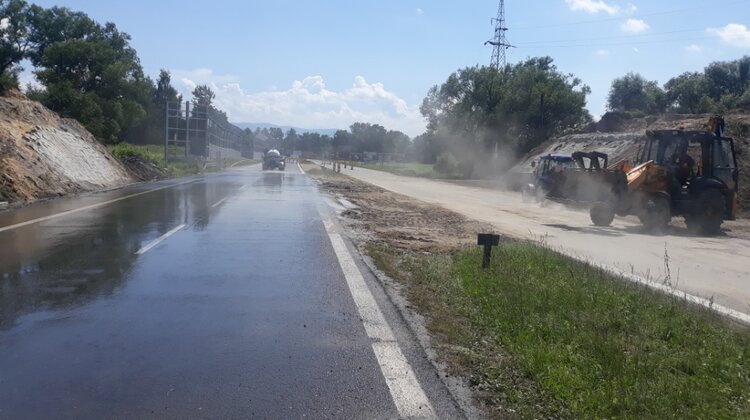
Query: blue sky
326,64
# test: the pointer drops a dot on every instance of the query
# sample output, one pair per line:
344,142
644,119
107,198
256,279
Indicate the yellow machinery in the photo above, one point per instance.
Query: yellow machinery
680,173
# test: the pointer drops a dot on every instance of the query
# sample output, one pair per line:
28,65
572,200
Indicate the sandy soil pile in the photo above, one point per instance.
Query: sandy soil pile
43,155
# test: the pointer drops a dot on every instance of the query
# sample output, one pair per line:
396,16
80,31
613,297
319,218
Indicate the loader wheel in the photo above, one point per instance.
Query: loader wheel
540,196
602,214
656,214
709,213
526,194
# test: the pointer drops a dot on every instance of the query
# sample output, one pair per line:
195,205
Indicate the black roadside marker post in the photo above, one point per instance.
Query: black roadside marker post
488,240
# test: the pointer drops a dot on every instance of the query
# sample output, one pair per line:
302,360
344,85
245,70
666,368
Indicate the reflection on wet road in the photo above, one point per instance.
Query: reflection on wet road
241,312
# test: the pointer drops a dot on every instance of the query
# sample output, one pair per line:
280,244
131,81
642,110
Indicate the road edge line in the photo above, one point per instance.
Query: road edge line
407,393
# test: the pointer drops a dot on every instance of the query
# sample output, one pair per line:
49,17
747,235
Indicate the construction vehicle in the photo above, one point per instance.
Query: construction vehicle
677,173
547,177
580,178
272,159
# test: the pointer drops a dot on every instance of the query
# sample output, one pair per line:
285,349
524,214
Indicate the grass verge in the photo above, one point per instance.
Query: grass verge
155,154
541,335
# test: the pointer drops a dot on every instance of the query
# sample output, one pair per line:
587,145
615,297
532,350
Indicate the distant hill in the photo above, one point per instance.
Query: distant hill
285,128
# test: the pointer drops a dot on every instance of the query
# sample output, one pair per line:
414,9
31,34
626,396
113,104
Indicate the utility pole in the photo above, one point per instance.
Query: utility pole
499,42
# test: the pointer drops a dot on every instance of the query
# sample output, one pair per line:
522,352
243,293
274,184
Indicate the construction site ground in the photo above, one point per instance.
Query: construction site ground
714,268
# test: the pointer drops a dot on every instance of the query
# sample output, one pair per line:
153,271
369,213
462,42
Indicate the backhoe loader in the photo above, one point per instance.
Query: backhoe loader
677,173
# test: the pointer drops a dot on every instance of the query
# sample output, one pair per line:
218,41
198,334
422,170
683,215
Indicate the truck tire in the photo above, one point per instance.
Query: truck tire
602,214
710,208
655,214
527,194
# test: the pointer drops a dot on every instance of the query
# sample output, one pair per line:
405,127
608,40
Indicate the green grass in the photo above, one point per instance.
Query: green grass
155,154
410,169
549,336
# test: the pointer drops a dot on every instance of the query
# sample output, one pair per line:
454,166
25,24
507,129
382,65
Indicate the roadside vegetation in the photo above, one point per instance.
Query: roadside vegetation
154,155
542,335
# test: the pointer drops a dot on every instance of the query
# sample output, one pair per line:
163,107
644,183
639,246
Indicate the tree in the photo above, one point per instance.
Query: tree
685,91
367,137
14,41
397,142
151,130
276,134
96,78
165,92
481,109
203,96
56,24
634,93
291,141
342,143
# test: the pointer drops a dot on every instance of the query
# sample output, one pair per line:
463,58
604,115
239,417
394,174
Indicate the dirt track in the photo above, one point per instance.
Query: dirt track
717,268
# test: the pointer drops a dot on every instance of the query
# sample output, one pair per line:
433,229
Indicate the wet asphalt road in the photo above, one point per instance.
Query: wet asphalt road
243,313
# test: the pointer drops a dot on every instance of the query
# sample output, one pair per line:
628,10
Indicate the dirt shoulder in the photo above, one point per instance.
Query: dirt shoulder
397,220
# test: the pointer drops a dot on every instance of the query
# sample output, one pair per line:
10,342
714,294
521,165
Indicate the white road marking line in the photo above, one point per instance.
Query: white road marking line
407,393
89,207
243,187
218,203
300,167
158,240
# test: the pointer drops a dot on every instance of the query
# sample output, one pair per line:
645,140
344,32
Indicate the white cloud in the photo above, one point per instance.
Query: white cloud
631,8
635,49
592,6
308,103
693,48
601,53
634,26
419,11
734,34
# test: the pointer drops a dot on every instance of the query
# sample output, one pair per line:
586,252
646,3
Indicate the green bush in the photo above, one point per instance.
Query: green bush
446,163
8,80
123,151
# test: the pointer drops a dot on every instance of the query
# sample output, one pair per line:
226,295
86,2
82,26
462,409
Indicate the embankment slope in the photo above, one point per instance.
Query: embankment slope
43,155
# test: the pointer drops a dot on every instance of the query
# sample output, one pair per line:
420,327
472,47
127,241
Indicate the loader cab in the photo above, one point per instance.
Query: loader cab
709,156
552,164
691,164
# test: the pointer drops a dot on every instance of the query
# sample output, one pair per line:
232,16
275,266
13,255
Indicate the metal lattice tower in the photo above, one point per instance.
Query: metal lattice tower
499,42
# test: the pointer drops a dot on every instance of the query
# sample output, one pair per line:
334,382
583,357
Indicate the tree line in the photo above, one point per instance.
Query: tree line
86,71
480,117
720,87
358,141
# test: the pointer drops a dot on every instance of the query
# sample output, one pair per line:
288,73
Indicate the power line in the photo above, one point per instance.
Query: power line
665,12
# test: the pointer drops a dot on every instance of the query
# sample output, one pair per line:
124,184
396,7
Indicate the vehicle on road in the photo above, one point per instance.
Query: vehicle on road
693,174
272,159
548,177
